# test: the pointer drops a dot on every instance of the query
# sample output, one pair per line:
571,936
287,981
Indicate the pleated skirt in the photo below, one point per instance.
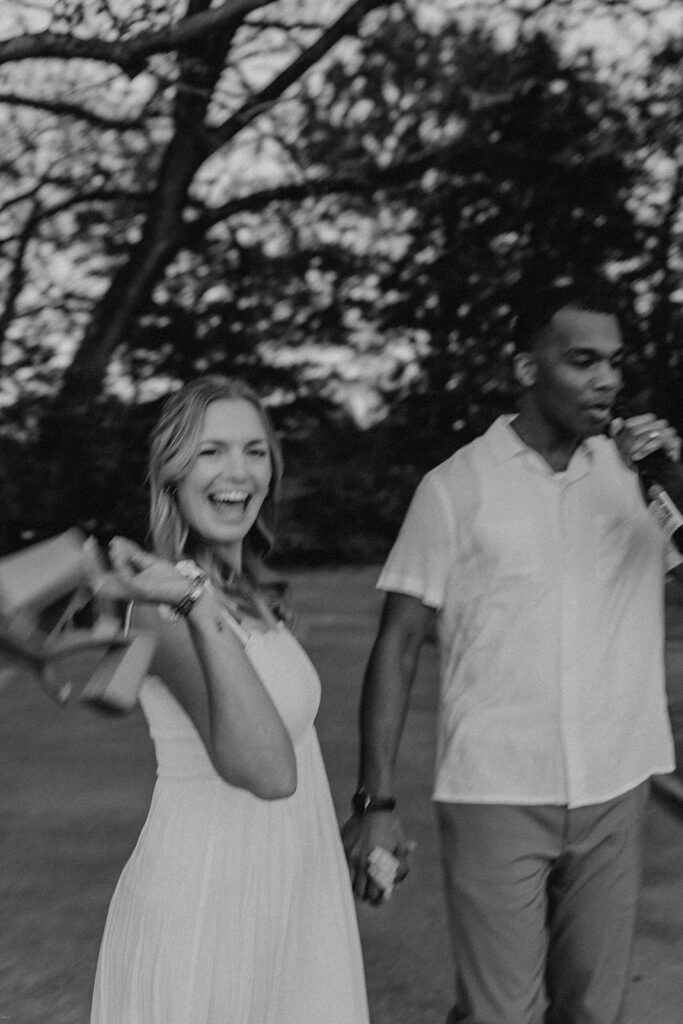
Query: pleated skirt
234,910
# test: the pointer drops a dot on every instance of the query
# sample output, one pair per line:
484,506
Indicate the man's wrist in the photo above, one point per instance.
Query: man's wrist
365,802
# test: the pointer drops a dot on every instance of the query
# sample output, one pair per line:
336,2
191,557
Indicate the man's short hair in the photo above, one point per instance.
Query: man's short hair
540,306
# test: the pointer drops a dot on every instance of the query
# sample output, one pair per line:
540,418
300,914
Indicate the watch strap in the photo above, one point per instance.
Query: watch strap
364,802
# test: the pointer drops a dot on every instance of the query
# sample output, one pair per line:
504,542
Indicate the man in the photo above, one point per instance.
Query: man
534,546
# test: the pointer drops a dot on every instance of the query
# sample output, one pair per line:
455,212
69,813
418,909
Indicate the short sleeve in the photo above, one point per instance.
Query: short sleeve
672,557
420,560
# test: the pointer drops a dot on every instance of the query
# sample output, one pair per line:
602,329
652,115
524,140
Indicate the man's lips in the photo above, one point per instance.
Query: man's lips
599,408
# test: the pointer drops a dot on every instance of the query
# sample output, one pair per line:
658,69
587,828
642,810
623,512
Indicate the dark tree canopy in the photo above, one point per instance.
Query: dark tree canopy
342,203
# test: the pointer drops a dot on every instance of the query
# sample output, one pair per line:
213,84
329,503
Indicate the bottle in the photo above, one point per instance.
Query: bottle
662,481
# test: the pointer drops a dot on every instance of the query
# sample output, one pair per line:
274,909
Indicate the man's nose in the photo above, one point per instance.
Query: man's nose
608,376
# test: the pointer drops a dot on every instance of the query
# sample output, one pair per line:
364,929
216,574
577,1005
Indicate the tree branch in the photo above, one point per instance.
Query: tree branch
454,158
63,109
17,274
129,54
99,195
346,25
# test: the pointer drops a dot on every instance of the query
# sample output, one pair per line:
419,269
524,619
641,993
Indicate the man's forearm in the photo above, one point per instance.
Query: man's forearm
384,705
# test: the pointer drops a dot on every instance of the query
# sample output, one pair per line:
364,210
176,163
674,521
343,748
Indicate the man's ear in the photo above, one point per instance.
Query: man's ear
525,369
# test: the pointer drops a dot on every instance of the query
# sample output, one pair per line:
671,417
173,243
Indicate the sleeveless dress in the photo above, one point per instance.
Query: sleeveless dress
233,909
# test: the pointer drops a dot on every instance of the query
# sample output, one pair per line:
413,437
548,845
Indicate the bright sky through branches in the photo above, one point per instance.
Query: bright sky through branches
622,33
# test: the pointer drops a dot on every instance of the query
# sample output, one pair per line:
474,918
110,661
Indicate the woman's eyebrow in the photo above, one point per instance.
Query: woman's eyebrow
239,440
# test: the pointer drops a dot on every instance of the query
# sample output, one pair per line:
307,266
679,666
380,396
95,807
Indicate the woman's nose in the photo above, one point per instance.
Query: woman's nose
234,465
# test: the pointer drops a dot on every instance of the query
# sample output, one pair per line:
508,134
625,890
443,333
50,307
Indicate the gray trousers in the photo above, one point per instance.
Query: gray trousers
541,905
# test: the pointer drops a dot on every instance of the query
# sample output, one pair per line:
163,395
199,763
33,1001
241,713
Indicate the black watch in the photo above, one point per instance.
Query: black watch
364,802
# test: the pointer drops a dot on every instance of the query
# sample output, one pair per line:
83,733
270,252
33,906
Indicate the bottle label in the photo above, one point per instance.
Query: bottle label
665,511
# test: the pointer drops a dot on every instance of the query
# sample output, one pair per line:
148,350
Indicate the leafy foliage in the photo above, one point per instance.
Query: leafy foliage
344,225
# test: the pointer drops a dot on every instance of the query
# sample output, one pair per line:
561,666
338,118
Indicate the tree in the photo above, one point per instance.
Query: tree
654,273
204,40
134,130
525,173
188,186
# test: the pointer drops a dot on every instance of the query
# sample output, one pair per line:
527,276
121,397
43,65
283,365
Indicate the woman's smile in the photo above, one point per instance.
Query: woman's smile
230,501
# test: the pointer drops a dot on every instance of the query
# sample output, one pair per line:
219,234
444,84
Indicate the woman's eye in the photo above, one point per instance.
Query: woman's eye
259,453
207,451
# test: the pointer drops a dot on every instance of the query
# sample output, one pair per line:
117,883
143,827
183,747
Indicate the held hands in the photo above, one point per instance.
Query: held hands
137,575
363,837
639,436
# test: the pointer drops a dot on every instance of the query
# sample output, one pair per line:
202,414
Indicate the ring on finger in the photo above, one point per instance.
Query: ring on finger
654,434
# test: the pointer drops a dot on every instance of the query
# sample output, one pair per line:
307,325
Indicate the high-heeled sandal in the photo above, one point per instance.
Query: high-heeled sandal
102,665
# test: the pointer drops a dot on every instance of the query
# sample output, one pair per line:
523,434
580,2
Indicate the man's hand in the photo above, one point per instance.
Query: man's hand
360,836
639,436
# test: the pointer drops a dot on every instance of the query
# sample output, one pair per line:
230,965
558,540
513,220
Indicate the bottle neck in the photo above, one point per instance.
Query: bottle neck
657,461
658,467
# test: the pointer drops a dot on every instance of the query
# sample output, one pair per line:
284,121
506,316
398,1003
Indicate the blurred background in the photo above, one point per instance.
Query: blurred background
340,202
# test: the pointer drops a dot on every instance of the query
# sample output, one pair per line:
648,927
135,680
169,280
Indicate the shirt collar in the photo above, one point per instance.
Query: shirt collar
506,444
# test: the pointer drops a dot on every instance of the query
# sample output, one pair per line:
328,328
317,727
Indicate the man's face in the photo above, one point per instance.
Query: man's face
577,369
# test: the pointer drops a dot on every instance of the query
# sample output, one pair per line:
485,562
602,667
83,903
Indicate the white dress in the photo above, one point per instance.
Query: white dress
233,909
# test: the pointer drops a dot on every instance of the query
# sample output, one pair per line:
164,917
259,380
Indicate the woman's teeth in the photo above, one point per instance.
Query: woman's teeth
231,499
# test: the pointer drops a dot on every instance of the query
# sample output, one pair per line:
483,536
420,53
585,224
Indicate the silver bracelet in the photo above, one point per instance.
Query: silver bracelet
197,582
187,603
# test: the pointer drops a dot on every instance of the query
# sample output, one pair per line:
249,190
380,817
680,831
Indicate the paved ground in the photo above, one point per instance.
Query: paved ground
75,788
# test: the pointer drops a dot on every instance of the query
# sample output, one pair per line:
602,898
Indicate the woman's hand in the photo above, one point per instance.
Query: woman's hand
136,575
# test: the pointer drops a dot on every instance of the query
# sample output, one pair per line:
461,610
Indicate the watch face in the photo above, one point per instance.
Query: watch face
360,802
363,802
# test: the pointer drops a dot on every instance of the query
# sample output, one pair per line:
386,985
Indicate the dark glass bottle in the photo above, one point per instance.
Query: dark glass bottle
662,482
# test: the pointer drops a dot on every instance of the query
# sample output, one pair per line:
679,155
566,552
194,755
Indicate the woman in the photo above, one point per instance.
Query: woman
235,906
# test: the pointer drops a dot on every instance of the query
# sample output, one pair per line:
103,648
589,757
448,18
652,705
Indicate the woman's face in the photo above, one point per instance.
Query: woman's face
221,495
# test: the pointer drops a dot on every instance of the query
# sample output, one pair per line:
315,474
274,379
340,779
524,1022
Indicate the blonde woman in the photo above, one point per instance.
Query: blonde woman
235,906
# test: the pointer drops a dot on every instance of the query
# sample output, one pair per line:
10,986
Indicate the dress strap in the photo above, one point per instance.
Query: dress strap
241,632
237,622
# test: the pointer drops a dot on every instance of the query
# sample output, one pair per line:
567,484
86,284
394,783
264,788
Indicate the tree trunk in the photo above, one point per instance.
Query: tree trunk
200,69
65,434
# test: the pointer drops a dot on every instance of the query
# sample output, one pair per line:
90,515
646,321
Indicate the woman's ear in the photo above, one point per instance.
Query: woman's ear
525,369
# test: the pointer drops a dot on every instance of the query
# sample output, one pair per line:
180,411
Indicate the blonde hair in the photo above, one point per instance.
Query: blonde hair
174,443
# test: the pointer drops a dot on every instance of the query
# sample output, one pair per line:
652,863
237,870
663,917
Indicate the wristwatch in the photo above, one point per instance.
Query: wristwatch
364,802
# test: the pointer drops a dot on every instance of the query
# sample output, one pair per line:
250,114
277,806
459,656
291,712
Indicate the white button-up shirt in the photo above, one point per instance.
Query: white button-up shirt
550,594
